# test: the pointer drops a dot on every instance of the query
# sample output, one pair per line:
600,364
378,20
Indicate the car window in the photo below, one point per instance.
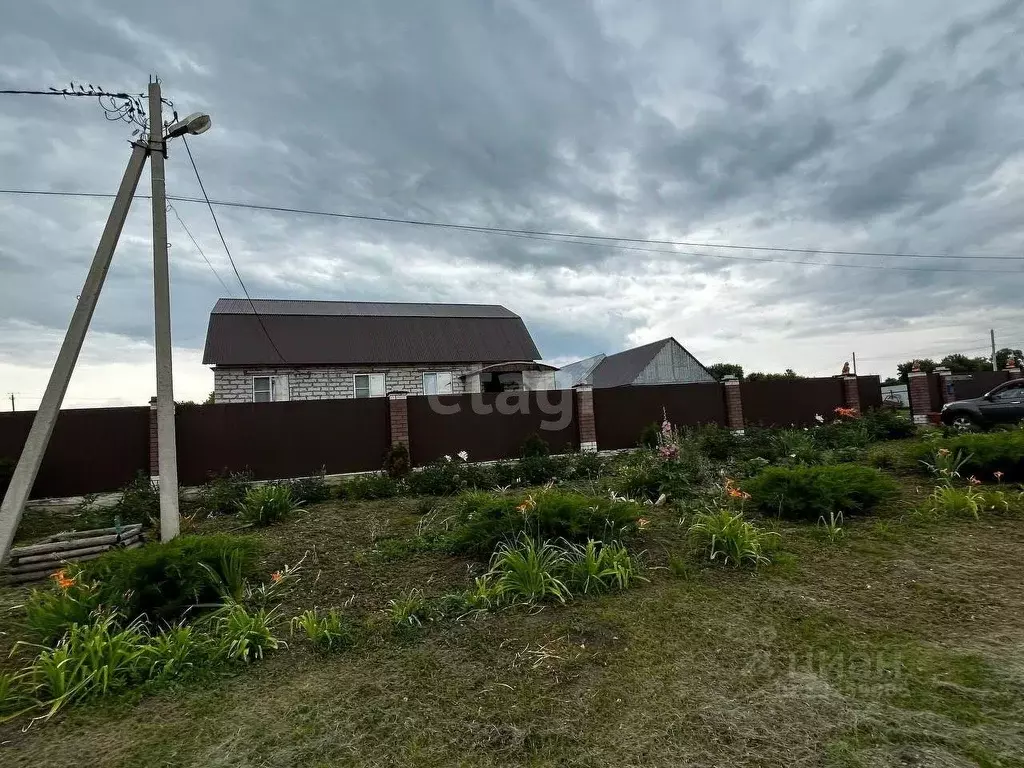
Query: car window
1009,393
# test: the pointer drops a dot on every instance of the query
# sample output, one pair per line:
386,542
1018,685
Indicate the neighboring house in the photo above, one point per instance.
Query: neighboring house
660,362
320,350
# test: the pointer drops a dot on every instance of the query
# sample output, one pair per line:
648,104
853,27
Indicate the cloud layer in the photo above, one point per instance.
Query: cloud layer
841,126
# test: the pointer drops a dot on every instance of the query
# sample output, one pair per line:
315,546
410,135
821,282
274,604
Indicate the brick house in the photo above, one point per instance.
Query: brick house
322,350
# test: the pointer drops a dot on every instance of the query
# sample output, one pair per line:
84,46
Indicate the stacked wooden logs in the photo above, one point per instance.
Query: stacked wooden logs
37,561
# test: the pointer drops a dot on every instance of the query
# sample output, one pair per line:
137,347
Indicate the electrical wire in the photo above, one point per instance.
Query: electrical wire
586,240
196,244
227,250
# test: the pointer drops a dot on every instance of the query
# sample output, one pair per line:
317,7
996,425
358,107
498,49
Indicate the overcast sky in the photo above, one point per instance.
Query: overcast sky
866,126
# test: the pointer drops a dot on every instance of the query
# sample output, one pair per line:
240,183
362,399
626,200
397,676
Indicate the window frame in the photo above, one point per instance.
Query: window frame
435,374
269,390
369,389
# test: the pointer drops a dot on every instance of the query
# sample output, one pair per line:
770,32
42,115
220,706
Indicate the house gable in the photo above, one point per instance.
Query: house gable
673,364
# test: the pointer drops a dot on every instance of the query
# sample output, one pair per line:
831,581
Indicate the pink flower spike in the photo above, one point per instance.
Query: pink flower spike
974,481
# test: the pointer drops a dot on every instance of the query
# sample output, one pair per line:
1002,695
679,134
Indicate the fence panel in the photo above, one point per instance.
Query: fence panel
622,413
785,402
967,385
869,390
489,425
278,440
92,450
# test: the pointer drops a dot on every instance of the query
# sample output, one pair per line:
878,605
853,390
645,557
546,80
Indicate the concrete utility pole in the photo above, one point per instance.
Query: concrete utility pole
854,355
12,402
167,456
46,416
992,334
42,425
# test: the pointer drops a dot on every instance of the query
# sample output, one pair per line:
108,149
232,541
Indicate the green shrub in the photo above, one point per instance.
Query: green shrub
267,504
585,465
222,493
164,580
955,501
397,462
807,493
310,490
327,631
887,424
989,452
409,609
447,477
528,570
534,445
90,658
369,487
243,635
140,501
646,475
797,446
727,536
485,519
595,567
843,433
174,652
50,611
717,443
649,436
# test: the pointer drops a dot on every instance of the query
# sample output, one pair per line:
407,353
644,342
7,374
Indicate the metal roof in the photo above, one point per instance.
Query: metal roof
363,333
622,368
357,308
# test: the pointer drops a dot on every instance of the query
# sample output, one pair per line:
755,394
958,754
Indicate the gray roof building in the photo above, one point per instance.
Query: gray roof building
660,362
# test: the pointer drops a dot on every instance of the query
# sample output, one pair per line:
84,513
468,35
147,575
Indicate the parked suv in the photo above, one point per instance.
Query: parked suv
1003,405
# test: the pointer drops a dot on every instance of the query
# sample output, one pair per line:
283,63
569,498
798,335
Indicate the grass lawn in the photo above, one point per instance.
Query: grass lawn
899,645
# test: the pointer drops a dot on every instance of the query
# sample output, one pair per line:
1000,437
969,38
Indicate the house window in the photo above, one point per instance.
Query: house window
369,384
437,383
262,389
269,389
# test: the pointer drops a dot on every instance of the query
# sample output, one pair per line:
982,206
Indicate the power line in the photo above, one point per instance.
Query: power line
584,239
227,250
196,244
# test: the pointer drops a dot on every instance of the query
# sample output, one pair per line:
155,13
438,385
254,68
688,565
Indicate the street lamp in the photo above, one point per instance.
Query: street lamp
193,124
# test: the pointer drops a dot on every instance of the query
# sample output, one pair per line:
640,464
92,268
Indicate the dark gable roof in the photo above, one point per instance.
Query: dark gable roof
622,368
357,333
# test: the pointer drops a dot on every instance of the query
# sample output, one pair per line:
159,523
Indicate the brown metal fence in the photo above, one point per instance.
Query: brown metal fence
622,413
489,425
967,385
277,440
869,391
92,450
785,402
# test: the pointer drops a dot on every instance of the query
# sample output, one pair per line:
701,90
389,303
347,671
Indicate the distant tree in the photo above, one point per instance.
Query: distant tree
210,399
927,365
721,370
1003,354
789,373
963,364
892,382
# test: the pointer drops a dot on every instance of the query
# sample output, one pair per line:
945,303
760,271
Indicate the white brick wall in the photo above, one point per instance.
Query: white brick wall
234,385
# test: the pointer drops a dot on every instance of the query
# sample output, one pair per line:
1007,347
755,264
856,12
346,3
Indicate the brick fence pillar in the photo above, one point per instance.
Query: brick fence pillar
154,443
851,393
398,418
920,397
946,384
1011,368
733,404
585,417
